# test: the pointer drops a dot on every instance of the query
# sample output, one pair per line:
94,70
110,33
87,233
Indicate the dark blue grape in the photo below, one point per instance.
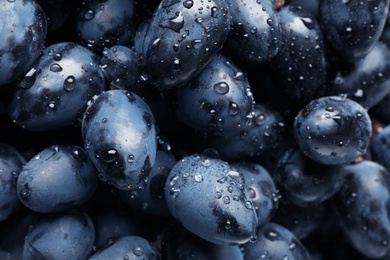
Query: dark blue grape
58,178
221,210
263,137
299,68
362,207
181,38
366,81
120,67
312,6
275,242
13,233
11,163
127,248
380,145
301,221
261,190
380,111
119,135
352,27
23,35
304,182
63,236
323,128
254,32
217,101
107,23
110,224
55,92
150,199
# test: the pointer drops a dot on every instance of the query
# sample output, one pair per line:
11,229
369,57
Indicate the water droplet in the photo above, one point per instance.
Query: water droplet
359,115
253,238
126,257
218,195
254,30
15,174
188,4
236,198
199,20
110,155
55,67
222,180
221,88
25,193
228,224
230,189
348,29
51,104
226,199
260,119
248,204
133,194
69,83
214,12
138,251
175,23
233,109
252,193
358,93
270,22
198,177
131,158
78,154
329,109
174,192
176,64
57,57
206,162
89,14
338,119
173,180
196,43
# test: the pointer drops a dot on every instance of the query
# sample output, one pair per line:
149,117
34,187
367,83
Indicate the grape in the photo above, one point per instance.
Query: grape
172,129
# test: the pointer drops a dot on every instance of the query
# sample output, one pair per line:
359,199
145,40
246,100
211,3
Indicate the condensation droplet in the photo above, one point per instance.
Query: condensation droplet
252,193
233,109
260,119
78,154
188,4
248,204
110,155
198,177
57,57
138,251
55,67
89,14
131,158
69,83
221,88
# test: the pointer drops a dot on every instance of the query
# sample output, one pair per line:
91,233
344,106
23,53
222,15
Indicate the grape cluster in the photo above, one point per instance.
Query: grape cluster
194,129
